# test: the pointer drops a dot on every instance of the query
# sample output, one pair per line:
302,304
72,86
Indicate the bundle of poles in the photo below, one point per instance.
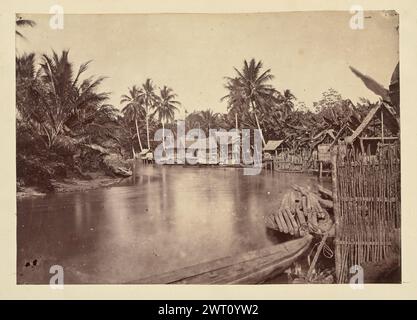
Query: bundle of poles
302,212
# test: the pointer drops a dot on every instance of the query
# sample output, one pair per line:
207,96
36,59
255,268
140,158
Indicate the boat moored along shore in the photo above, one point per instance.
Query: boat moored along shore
248,268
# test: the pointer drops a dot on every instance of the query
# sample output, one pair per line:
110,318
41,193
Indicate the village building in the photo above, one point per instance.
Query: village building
321,145
380,127
274,148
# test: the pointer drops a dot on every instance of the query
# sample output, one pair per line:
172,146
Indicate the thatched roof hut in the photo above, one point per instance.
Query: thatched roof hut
274,146
381,125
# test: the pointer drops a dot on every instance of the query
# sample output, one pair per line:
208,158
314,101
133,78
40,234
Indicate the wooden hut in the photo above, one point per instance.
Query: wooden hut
232,148
274,147
381,126
202,151
322,143
271,151
142,155
284,157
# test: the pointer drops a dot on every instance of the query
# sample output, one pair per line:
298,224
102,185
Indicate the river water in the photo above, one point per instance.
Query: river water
160,219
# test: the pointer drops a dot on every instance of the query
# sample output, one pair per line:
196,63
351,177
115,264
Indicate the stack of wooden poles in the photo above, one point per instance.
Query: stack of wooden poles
302,212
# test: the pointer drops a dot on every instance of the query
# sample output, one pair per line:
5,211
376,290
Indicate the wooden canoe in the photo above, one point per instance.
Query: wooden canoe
248,268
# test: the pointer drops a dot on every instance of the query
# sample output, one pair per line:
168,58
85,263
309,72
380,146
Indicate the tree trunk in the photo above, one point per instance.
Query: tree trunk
163,134
137,133
133,151
147,127
257,123
236,120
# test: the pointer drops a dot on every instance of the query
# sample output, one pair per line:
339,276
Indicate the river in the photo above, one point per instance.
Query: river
160,219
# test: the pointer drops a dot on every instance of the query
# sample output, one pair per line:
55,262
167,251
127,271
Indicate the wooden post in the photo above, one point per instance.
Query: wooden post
362,146
336,210
382,125
321,170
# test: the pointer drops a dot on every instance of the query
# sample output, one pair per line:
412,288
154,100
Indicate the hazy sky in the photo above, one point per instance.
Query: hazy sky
308,52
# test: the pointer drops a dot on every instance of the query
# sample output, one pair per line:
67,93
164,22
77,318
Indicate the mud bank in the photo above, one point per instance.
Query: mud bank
98,180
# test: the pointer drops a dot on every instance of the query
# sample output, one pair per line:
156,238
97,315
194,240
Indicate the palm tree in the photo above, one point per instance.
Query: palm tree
193,120
209,119
254,88
20,22
288,102
149,98
28,102
227,121
133,109
25,66
126,134
236,102
65,97
165,108
53,102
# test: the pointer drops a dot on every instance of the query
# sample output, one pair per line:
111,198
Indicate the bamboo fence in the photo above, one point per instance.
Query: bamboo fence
367,209
298,162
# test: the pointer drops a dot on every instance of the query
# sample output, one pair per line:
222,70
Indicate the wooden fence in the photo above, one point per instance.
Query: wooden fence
366,191
299,162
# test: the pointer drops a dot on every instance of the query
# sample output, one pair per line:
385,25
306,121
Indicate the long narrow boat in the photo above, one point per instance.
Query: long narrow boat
248,268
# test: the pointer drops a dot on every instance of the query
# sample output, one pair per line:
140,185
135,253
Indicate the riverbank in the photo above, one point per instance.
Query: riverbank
98,180
89,166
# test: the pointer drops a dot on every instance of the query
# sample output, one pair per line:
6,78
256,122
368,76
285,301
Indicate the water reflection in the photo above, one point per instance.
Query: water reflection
161,219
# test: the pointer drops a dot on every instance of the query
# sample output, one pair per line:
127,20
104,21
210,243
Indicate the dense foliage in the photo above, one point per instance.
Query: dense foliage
61,114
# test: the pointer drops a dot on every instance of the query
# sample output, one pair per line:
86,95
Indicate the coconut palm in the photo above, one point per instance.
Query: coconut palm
228,121
288,102
236,102
29,102
209,120
25,66
165,108
66,97
254,88
20,23
193,120
53,102
133,110
149,97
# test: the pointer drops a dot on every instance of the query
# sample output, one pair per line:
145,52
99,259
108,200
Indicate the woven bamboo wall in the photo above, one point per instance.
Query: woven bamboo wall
369,205
292,162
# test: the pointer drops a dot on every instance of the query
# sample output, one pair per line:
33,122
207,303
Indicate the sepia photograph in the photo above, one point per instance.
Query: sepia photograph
239,148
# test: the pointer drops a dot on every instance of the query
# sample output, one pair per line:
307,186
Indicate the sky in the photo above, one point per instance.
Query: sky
307,52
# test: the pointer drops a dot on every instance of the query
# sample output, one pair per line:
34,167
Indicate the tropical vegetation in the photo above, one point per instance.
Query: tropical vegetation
65,125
